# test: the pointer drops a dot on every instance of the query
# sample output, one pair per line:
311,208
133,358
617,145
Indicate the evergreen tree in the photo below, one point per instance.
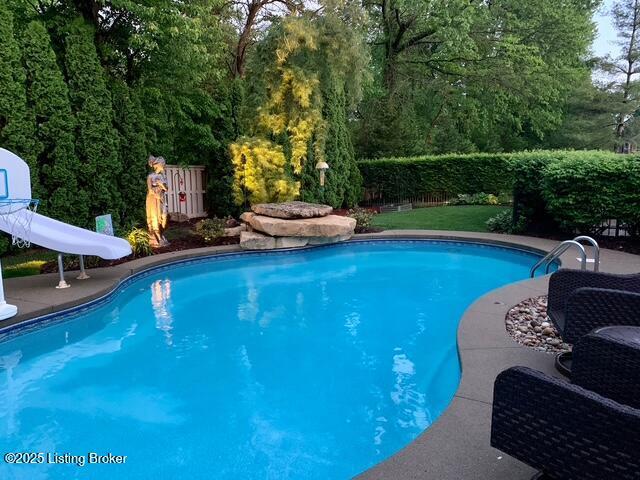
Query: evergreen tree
130,123
48,99
342,184
96,139
17,125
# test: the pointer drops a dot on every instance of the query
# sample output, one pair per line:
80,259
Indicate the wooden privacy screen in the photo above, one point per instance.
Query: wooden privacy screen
186,191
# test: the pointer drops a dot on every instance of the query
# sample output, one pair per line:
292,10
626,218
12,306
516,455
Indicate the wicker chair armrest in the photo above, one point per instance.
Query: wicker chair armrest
566,281
590,308
563,429
609,364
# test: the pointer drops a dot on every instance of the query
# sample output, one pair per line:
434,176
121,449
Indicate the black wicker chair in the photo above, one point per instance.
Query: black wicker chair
588,429
580,301
607,361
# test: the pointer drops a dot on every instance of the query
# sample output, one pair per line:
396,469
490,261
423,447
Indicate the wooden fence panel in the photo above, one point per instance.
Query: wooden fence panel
187,187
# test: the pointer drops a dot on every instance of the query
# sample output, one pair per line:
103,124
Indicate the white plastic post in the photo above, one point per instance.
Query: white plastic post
61,283
6,310
83,275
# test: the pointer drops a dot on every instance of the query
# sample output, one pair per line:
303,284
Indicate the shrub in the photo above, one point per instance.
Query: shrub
475,199
210,229
580,193
503,223
140,243
363,217
574,190
5,243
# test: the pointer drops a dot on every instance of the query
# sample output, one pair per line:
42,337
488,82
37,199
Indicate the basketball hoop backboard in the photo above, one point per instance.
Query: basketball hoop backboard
4,184
16,204
15,181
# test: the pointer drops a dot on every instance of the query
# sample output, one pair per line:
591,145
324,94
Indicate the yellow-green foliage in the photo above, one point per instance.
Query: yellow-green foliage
292,113
260,172
140,242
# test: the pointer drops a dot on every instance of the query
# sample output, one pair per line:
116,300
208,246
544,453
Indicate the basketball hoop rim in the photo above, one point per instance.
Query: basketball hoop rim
17,204
18,213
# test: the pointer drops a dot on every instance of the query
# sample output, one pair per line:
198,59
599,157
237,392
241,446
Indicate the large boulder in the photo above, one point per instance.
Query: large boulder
291,242
256,241
329,226
326,240
292,210
235,231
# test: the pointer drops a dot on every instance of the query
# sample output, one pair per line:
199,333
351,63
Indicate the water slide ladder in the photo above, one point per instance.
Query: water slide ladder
554,254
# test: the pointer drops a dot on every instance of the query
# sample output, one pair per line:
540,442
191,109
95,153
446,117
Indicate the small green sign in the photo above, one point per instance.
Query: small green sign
104,224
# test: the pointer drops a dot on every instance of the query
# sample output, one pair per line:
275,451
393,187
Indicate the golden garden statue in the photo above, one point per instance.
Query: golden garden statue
157,215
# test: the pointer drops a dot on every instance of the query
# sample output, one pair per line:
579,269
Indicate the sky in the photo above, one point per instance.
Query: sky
605,41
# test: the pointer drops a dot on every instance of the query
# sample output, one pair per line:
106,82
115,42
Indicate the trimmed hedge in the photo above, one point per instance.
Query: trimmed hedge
581,193
552,190
413,177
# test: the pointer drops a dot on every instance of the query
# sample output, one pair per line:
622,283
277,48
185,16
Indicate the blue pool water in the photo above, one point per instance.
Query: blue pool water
313,364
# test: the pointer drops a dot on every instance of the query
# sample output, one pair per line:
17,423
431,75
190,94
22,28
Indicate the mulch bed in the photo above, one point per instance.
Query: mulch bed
72,262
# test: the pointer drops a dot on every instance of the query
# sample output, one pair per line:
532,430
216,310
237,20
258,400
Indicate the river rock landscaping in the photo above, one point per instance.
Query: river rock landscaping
528,324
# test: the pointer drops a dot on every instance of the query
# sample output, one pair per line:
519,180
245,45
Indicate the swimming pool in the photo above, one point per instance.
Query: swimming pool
313,363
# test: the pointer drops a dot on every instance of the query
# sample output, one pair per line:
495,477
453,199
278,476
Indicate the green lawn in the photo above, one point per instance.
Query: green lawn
470,218
26,263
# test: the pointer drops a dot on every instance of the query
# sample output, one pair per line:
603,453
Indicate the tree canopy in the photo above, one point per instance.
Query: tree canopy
260,91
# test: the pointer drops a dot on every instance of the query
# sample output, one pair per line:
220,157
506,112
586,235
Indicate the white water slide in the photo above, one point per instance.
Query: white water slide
25,226
64,238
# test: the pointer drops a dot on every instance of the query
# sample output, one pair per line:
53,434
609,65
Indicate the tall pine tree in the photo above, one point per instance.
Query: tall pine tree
343,187
96,139
17,125
48,99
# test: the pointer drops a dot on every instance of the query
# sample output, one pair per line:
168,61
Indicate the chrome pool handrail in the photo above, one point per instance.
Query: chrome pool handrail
596,250
556,252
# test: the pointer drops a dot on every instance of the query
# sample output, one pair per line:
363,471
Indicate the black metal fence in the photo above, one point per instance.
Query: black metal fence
614,228
378,199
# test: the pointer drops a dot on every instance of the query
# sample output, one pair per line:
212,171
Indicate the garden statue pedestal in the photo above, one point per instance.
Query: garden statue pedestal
293,224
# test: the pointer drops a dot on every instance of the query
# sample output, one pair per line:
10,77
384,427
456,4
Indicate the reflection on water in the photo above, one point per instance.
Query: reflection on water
406,394
11,393
162,305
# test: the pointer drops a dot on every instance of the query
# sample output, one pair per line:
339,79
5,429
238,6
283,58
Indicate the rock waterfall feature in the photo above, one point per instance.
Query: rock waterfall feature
293,224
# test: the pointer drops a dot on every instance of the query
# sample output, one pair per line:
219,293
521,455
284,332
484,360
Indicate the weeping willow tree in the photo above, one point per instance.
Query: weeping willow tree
300,78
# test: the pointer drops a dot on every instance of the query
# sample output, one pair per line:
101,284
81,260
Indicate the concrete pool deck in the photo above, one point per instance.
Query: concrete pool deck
457,445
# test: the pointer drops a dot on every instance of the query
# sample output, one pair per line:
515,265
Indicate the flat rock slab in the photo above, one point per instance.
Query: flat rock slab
329,226
235,231
291,242
292,210
327,240
256,241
